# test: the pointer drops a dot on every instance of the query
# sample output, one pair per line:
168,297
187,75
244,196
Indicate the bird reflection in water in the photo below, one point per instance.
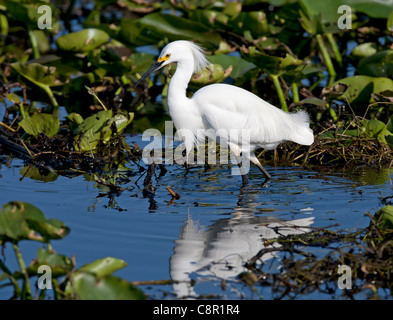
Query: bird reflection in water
222,249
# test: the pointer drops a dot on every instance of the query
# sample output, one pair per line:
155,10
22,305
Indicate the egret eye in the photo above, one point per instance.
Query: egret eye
164,58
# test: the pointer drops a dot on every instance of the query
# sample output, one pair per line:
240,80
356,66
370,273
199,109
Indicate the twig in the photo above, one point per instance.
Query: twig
27,149
173,194
7,127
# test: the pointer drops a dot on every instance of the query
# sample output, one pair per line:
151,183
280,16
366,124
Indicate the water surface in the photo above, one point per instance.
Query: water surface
207,234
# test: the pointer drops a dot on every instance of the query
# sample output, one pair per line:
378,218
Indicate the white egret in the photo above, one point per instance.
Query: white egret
222,108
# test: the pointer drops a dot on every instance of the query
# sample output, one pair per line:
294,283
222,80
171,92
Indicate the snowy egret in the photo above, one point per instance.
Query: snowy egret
223,107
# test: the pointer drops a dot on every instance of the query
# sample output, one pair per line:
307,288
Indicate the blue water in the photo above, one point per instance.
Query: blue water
212,223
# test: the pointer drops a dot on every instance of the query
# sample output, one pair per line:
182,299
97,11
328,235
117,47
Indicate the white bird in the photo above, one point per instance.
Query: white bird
220,108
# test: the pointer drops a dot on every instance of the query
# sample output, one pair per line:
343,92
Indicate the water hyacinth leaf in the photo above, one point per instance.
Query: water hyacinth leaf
389,23
41,123
132,32
211,74
18,221
269,64
320,16
254,21
179,28
375,9
141,61
42,41
49,229
275,65
377,65
60,265
92,130
239,65
104,267
75,118
210,17
384,221
122,121
232,9
97,128
34,174
42,76
82,41
364,50
88,286
373,127
360,88
26,12
37,73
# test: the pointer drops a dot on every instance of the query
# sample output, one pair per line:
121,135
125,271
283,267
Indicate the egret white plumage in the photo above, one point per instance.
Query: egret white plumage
223,107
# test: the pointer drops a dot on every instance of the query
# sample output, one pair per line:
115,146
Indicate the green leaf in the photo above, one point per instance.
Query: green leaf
373,127
104,267
320,16
364,50
75,118
92,130
239,65
122,121
97,128
377,65
374,9
275,65
41,123
254,21
389,23
89,287
384,221
179,28
211,74
42,76
26,12
49,229
37,73
82,41
22,221
34,174
209,17
360,88
60,265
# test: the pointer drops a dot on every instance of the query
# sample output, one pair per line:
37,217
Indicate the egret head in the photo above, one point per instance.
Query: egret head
176,52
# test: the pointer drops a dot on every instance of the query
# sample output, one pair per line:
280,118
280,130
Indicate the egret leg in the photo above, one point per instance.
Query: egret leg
255,160
244,176
236,151
187,168
147,183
